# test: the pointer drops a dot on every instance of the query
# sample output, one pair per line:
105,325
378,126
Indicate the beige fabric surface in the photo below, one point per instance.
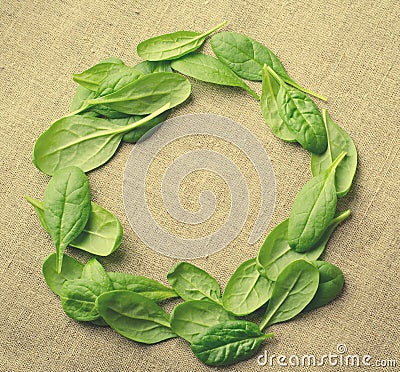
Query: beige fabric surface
345,49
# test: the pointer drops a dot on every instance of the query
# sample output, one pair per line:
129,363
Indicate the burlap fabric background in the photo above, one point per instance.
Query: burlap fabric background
348,50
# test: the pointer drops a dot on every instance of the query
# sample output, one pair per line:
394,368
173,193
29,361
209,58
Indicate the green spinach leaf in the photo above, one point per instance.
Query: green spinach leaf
228,343
117,79
99,322
71,269
331,280
149,67
80,98
94,271
246,290
105,112
147,94
102,234
338,141
301,115
174,45
134,135
146,287
38,206
246,57
206,68
134,316
269,107
66,208
81,141
92,77
294,288
275,253
193,283
80,105
313,209
79,297
192,318
105,78
82,95
113,60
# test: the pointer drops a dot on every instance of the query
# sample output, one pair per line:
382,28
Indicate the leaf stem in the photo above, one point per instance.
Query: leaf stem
336,161
275,75
214,29
295,85
268,335
324,114
341,216
264,323
252,92
305,90
83,108
34,202
144,120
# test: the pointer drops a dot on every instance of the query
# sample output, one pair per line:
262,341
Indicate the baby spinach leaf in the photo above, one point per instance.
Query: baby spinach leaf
193,283
313,209
99,322
228,343
192,318
206,68
107,77
246,290
269,107
113,60
79,297
102,234
38,206
82,94
66,208
174,45
331,280
94,271
301,116
117,79
81,141
92,77
338,141
149,67
146,287
134,316
147,94
134,135
81,106
294,288
105,112
275,254
246,57
71,269
80,98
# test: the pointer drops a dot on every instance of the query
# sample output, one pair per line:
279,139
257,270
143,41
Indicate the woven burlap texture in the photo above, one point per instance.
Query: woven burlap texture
347,50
